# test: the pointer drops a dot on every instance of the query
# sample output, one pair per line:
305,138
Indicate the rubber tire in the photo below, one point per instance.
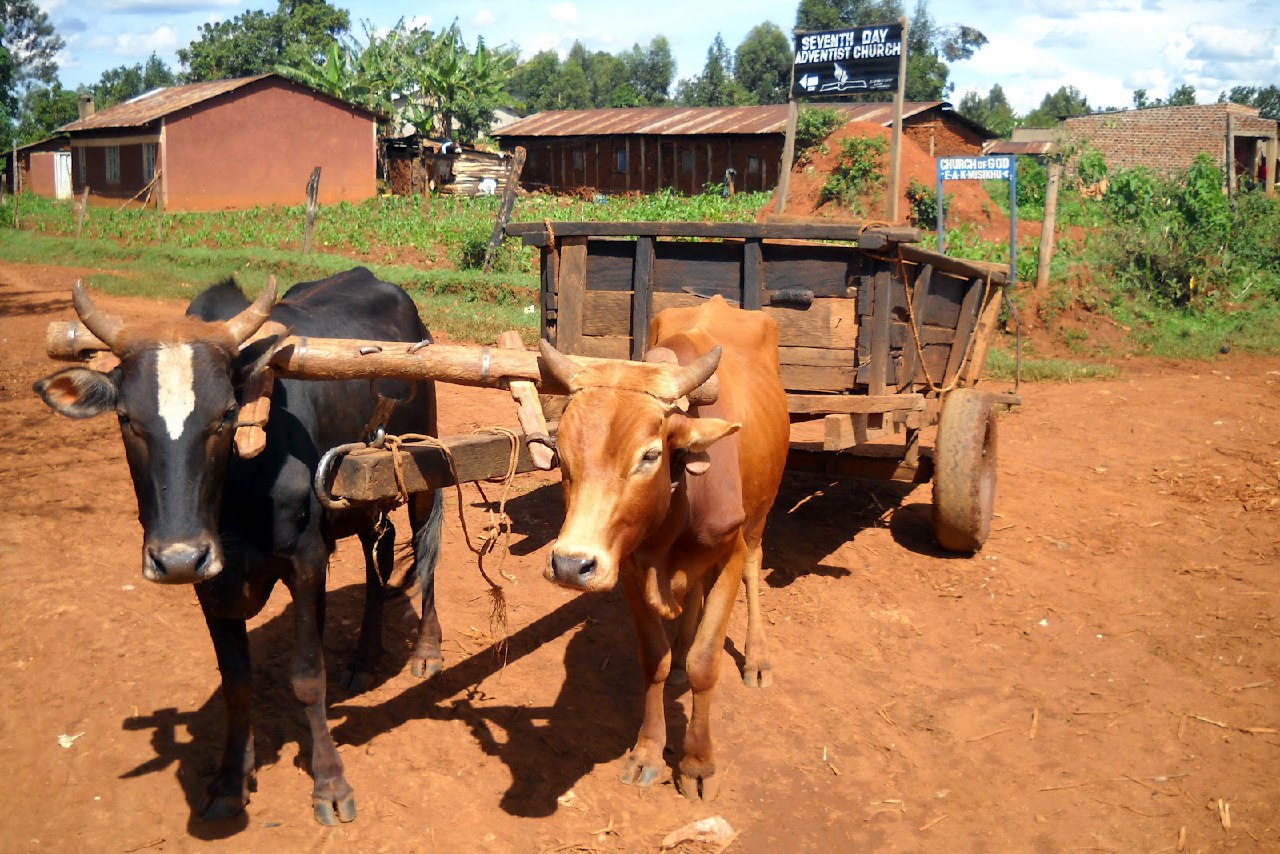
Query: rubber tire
964,479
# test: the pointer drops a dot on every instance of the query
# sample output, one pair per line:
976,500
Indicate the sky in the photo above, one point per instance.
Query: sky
1105,48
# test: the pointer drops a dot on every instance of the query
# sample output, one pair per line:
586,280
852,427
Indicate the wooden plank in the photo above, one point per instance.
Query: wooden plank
871,461
752,274
809,378
529,410
817,356
641,297
534,233
968,317
571,290
610,264
827,321
983,333
369,475
707,266
837,433
550,270
821,404
910,356
606,346
955,266
877,379
946,294
828,271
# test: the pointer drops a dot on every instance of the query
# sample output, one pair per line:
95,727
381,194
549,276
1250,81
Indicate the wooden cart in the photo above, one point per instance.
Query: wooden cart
878,337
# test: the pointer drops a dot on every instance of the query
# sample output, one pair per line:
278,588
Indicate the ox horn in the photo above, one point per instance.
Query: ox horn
243,325
698,372
562,368
107,327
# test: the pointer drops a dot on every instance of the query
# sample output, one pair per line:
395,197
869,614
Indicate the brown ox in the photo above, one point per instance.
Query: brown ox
674,504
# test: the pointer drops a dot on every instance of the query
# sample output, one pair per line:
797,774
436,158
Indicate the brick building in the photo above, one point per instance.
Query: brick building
1167,139
643,149
225,144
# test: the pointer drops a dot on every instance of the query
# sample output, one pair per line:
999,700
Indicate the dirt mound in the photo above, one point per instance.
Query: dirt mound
969,202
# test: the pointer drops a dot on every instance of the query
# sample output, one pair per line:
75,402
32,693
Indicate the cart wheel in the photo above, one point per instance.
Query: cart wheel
964,480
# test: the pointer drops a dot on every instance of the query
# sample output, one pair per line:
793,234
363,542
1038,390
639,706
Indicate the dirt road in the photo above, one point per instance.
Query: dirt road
1103,676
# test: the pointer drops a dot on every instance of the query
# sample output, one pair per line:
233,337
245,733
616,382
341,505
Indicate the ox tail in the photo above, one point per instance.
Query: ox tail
422,552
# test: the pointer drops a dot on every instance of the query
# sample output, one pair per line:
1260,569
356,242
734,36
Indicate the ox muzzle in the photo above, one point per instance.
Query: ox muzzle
181,562
571,569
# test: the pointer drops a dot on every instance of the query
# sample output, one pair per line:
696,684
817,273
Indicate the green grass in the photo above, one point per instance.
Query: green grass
1001,366
1175,333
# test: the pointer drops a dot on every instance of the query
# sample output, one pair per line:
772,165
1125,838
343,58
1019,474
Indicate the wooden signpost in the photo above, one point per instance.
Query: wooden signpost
309,221
852,61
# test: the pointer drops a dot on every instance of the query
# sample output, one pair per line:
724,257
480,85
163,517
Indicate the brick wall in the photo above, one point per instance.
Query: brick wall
1166,139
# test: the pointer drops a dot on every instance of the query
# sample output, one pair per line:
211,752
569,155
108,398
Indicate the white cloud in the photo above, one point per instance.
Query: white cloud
484,18
162,39
565,13
1215,42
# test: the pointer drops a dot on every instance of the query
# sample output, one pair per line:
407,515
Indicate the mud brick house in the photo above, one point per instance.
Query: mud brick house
44,168
225,144
643,149
1167,139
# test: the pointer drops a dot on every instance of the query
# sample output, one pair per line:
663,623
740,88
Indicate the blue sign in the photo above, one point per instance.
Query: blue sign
992,168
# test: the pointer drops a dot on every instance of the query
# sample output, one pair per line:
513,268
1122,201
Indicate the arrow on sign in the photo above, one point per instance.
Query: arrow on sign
809,81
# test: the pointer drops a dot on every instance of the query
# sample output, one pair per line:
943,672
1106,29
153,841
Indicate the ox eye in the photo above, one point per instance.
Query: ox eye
648,459
227,418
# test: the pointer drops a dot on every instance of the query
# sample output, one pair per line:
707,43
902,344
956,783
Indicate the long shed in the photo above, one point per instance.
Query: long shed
226,144
643,149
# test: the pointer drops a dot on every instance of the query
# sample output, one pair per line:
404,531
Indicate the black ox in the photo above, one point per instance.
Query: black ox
233,527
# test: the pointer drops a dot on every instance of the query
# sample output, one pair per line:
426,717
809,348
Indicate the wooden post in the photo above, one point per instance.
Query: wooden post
1047,234
1272,163
788,148
504,210
159,208
1231,155
523,392
641,297
84,207
309,218
17,182
895,141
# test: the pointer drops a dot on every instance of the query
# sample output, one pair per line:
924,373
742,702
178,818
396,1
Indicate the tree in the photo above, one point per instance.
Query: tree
1183,96
762,64
543,83
255,42
123,82
651,70
992,112
31,42
1266,99
715,86
45,109
1064,103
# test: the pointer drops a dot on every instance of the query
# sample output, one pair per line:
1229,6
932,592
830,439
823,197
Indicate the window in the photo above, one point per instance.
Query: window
753,165
620,156
579,159
686,161
148,162
112,153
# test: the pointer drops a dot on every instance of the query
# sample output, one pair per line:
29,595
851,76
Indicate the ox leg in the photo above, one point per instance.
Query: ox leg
426,513
644,764
378,544
757,670
331,797
698,779
228,793
686,630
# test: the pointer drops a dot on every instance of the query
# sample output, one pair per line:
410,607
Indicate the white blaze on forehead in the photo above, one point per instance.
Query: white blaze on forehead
175,384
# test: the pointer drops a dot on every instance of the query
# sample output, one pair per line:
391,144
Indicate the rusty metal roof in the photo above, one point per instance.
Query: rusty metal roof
690,121
1032,147
145,109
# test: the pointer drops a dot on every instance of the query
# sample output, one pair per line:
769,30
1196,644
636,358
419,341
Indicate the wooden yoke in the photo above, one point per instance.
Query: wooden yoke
255,406
525,394
306,358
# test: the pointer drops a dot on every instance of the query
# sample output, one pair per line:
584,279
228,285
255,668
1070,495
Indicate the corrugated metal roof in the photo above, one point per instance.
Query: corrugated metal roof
1033,147
147,108
688,121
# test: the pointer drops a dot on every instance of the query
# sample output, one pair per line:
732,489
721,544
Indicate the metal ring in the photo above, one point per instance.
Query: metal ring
485,363
322,474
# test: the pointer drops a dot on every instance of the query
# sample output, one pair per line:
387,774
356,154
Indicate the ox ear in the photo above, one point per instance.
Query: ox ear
79,392
697,434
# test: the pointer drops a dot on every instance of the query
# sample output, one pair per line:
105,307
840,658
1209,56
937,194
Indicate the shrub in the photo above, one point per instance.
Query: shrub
815,125
924,203
859,171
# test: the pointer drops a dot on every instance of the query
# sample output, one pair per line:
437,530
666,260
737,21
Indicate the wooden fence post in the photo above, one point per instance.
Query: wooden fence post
504,209
159,209
309,220
84,206
1047,235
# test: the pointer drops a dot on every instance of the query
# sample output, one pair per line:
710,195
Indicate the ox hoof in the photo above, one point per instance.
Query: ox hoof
357,680
222,807
698,781
329,811
642,768
425,668
757,676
